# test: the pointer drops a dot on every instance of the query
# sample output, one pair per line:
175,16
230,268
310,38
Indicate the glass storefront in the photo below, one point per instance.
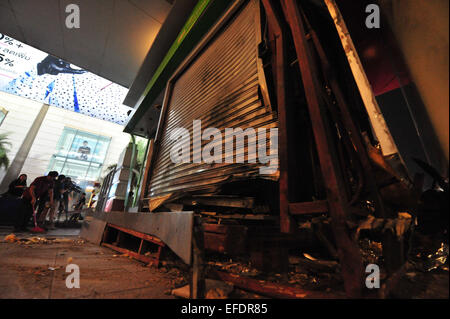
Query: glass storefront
3,113
80,155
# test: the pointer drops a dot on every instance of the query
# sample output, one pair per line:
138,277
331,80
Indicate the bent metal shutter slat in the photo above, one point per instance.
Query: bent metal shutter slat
220,87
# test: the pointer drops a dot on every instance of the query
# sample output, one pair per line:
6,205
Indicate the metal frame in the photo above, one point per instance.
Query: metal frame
154,261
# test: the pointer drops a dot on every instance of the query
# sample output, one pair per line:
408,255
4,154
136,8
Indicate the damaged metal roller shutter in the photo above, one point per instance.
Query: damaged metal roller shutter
222,87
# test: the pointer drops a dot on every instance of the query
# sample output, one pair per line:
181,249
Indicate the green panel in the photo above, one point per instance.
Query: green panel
202,18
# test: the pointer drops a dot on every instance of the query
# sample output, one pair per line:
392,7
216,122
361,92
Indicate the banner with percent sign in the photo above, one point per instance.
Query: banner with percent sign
36,75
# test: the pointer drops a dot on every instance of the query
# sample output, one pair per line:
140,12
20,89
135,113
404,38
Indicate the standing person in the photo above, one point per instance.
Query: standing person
41,186
42,205
65,198
58,191
18,186
81,202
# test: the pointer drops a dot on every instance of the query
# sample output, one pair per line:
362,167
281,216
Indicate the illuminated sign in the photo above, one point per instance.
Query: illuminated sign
36,75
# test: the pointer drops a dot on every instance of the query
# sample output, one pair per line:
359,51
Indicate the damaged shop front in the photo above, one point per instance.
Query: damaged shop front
340,195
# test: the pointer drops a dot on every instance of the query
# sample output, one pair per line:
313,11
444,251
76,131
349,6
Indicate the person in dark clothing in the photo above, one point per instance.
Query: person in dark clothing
41,187
81,202
58,191
65,197
18,186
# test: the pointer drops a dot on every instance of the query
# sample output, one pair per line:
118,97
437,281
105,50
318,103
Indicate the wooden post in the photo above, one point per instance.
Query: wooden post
286,221
348,250
146,174
198,275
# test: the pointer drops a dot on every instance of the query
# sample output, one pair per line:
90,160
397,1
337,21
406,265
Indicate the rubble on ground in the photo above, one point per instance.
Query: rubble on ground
12,238
214,289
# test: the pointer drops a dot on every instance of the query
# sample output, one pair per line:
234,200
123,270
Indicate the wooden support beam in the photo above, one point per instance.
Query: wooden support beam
351,128
146,173
221,201
140,246
304,208
272,289
198,285
287,224
348,250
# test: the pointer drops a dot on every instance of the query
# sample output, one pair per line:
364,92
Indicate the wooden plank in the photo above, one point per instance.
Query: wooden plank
146,237
222,201
140,246
232,243
223,229
241,216
145,259
215,242
316,207
272,289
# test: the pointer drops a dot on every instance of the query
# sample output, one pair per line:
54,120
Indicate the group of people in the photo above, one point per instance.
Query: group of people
43,197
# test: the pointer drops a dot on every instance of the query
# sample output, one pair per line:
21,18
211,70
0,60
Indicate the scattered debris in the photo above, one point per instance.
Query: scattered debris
215,289
11,238
438,259
398,226
371,251
309,256
183,292
236,268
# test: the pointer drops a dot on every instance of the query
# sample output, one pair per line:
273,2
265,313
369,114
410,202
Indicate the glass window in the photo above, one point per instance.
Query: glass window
3,113
65,142
80,155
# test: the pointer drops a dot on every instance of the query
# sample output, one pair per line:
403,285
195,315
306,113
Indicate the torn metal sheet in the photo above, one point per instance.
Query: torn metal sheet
174,228
92,229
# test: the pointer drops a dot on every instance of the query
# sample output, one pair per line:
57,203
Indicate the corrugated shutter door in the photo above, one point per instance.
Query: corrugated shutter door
220,88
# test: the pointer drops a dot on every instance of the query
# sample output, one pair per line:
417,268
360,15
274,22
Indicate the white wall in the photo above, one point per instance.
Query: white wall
21,116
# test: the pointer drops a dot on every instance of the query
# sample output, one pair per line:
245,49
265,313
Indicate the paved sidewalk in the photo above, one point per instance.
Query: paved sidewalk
38,270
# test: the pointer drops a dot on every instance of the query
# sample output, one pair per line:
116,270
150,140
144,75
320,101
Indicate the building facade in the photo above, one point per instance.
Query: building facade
45,138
